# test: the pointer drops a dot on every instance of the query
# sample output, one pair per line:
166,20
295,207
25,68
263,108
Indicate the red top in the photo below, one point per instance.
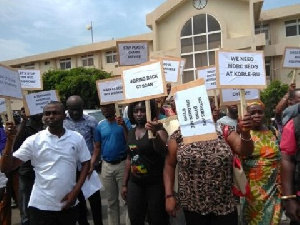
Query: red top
288,144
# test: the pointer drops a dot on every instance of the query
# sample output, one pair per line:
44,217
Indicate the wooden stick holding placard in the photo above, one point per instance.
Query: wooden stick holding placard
117,109
216,99
10,117
148,117
243,102
294,76
3,118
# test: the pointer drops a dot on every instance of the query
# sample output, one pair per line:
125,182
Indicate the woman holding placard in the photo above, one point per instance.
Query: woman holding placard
205,176
143,188
262,168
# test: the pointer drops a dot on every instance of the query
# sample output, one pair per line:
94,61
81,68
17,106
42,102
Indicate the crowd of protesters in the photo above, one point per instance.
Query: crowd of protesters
161,179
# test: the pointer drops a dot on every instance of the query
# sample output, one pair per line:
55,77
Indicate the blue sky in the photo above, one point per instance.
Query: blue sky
32,27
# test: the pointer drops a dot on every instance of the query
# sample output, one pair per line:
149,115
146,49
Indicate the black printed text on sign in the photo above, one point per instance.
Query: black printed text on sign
36,101
31,79
110,90
10,85
209,75
132,53
292,58
144,82
240,69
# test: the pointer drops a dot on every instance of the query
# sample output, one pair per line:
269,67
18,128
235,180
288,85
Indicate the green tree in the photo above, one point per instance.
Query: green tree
77,81
271,96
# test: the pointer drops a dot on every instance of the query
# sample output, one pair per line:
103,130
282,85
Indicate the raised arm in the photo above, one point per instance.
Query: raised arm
169,177
242,143
8,162
160,136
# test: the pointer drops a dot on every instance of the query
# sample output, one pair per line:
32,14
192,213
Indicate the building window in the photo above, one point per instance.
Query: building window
268,66
200,38
292,28
87,60
47,63
111,56
65,63
29,66
263,28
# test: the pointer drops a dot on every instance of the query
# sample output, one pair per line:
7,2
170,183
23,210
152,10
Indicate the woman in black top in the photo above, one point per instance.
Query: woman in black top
143,187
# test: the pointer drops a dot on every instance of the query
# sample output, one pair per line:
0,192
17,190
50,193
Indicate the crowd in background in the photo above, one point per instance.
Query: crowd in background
47,159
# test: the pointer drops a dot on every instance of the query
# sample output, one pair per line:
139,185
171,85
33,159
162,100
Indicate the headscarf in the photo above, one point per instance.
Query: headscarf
258,102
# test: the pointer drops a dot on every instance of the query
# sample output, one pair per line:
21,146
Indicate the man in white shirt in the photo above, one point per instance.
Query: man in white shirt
229,120
54,154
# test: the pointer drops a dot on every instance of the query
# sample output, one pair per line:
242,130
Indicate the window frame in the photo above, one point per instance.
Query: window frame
88,59
67,62
112,56
290,23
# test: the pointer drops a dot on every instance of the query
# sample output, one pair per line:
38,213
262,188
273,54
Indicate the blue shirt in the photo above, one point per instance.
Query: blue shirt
112,139
85,126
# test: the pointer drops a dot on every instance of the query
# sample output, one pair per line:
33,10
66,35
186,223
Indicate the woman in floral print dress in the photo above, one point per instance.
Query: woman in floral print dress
262,168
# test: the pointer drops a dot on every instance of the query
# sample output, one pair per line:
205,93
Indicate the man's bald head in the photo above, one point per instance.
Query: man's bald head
75,107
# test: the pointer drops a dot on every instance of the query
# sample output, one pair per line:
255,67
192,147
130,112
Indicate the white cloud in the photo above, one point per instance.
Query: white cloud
13,49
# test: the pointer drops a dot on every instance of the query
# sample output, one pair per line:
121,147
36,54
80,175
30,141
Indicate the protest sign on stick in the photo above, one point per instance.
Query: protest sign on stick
194,112
110,91
182,63
240,69
208,73
233,96
10,87
132,52
144,82
31,79
171,67
35,102
291,59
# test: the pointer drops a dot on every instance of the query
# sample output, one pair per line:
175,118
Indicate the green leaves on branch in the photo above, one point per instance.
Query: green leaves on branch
271,96
77,81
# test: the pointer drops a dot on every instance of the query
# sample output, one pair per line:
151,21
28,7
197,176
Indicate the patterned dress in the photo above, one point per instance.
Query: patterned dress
262,168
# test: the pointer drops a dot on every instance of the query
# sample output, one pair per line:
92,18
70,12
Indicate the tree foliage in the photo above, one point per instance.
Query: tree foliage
271,96
77,81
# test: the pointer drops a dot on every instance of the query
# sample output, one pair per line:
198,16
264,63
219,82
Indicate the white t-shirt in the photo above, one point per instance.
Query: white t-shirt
225,120
3,180
54,160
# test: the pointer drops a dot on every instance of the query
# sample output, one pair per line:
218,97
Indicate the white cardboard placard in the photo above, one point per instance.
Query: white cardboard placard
209,75
35,102
10,85
2,105
240,69
194,112
291,58
232,96
132,53
31,79
144,82
110,90
171,70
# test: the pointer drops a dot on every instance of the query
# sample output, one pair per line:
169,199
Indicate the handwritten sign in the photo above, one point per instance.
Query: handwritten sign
291,57
35,102
240,69
171,69
132,53
194,112
144,82
10,85
2,105
30,79
110,90
232,96
208,73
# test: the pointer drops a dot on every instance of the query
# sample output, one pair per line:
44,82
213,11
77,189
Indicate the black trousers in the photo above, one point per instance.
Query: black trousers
193,218
147,198
96,208
45,217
